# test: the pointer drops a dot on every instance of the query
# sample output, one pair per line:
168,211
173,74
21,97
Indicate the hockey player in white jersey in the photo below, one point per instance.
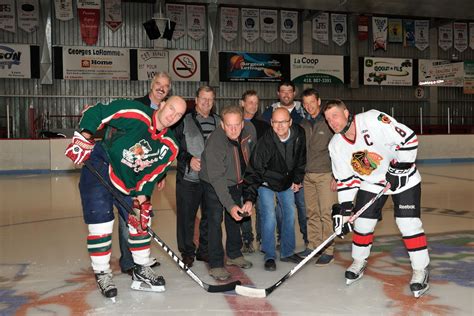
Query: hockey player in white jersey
368,150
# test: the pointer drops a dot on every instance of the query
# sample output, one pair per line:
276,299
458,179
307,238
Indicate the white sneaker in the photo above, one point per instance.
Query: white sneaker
419,282
355,271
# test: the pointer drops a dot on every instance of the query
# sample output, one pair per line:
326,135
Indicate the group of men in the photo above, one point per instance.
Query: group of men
232,164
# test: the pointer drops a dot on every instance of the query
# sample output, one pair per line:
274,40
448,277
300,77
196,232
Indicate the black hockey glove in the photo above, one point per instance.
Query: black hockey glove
397,174
340,218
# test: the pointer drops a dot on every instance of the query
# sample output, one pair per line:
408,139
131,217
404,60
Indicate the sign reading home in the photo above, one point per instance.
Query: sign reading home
95,63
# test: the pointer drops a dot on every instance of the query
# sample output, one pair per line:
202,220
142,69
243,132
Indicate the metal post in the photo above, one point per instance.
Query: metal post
449,121
8,121
393,111
421,120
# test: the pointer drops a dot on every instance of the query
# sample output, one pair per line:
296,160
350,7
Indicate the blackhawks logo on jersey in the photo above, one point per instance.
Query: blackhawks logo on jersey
384,118
364,162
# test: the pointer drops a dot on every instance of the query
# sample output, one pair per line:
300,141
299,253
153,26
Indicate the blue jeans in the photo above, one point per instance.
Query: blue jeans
302,217
266,200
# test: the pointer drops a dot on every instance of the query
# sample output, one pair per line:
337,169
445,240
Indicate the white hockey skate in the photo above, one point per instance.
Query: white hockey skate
355,271
145,279
419,282
106,285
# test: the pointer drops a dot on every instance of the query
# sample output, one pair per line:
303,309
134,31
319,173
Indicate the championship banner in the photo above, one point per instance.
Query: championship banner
395,34
196,23
339,28
15,61
460,36
471,35
317,69
229,23
89,19
321,28
288,26
95,63
63,9
250,24
185,65
445,36
422,34
150,62
268,25
440,73
408,33
363,27
7,15
243,67
469,77
177,14
379,30
28,15
388,71
113,14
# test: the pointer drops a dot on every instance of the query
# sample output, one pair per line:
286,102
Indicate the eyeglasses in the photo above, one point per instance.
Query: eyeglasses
280,122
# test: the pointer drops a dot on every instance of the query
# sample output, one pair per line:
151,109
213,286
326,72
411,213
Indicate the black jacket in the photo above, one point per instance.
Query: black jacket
268,167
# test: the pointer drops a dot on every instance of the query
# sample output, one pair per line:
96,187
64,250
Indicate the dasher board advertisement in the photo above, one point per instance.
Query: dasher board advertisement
241,67
440,73
388,71
319,69
19,61
95,63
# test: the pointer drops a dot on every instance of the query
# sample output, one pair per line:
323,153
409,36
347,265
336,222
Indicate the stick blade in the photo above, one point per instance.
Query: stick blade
223,287
250,292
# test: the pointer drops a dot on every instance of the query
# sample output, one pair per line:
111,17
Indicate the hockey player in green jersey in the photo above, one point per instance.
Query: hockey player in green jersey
134,155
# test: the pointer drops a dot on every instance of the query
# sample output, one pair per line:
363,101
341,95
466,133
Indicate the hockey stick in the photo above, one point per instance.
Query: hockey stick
253,292
208,287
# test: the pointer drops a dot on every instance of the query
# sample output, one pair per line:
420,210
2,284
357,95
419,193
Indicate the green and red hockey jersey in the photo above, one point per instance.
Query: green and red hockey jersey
139,154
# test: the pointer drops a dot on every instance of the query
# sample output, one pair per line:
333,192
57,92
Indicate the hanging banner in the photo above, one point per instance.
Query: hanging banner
339,28
240,67
89,19
445,36
28,15
229,23
268,25
150,62
460,36
113,14
177,14
379,30
318,69
15,61
7,15
388,71
395,34
471,35
422,34
408,33
288,26
63,9
185,65
469,77
250,24
363,27
196,24
321,28
440,73
97,63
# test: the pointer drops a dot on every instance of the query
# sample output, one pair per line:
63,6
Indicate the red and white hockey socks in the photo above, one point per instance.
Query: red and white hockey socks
415,241
139,243
99,245
363,238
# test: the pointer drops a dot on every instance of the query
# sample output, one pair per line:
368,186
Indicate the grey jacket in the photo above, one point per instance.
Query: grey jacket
318,136
220,162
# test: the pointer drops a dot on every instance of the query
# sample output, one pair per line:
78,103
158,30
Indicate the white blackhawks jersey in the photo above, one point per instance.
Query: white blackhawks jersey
363,163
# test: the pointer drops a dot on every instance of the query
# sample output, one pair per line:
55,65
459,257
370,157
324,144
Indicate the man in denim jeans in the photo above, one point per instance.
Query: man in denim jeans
276,170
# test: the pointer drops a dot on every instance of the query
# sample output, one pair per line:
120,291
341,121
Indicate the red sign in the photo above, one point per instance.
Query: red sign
89,19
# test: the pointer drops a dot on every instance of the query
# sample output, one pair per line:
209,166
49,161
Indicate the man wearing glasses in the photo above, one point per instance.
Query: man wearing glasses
276,169
191,133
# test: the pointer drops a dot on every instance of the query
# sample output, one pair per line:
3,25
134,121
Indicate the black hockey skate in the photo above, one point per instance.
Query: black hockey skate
106,285
355,271
419,282
145,279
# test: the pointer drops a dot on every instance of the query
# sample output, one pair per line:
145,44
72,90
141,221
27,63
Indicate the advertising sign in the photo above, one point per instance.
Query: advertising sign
441,73
318,69
151,61
15,61
388,71
235,66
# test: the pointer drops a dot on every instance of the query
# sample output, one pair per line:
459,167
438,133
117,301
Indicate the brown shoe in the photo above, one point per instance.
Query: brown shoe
220,274
240,262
